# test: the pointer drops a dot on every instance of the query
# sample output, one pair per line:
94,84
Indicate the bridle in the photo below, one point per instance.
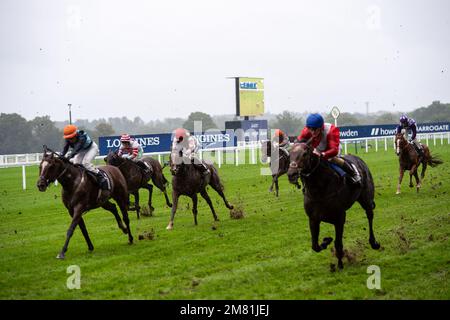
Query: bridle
294,165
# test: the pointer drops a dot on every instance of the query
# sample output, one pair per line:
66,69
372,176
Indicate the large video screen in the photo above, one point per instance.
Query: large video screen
250,97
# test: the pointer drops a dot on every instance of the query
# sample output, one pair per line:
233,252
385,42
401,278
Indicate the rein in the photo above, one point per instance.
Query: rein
306,175
312,171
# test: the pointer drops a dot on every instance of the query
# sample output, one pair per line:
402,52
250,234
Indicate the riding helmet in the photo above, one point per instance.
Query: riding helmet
125,138
180,134
70,131
314,120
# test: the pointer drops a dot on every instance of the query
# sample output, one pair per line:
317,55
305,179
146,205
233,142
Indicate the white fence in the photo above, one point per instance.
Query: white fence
232,155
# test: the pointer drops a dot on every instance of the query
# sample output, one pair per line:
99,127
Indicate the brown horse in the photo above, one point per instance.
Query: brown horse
278,166
136,178
188,181
327,195
81,193
409,159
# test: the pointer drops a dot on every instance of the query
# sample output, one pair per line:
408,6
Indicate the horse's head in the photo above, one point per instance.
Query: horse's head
50,168
265,150
113,158
301,161
400,142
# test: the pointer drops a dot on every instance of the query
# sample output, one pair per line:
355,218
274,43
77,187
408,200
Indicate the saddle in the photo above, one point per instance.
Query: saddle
101,178
418,151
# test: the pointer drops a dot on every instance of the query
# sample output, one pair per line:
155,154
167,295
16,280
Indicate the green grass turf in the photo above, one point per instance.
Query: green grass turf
265,255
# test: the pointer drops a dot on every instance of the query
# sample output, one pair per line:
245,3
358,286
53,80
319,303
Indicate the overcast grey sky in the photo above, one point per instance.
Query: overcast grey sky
157,59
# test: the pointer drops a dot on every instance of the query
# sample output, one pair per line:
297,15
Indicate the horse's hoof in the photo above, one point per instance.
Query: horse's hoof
327,240
375,245
340,265
91,248
169,227
398,192
60,256
169,205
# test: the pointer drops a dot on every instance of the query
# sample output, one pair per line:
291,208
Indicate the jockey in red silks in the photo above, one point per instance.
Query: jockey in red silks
132,150
186,145
326,144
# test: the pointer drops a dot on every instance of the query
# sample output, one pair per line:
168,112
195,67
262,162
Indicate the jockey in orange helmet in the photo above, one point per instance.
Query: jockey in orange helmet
281,140
185,145
326,144
83,151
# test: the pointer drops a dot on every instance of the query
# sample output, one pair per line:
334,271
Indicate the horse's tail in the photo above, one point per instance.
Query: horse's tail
215,179
434,161
158,177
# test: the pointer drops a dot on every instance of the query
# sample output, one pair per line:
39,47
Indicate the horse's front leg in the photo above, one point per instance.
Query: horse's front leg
75,220
418,184
273,182
276,185
175,197
338,245
150,192
136,203
400,178
85,234
194,207
412,172
314,227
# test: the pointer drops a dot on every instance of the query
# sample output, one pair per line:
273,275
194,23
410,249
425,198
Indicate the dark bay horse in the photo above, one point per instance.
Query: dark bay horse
81,193
279,164
136,178
188,181
327,195
409,159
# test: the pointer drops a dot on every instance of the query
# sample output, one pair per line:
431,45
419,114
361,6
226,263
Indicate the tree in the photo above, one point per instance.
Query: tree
102,129
45,132
206,121
288,122
387,118
15,134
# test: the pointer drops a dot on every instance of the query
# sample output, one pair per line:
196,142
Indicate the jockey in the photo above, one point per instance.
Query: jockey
326,144
132,150
83,151
410,124
281,140
186,145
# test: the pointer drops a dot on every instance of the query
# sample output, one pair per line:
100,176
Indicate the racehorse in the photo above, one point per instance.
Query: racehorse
81,193
188,181
136,178
278,166
327,195
409,159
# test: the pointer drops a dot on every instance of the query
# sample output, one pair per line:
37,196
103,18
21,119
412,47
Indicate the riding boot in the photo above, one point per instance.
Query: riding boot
352,172
145,167
202,168
102,182
421,153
